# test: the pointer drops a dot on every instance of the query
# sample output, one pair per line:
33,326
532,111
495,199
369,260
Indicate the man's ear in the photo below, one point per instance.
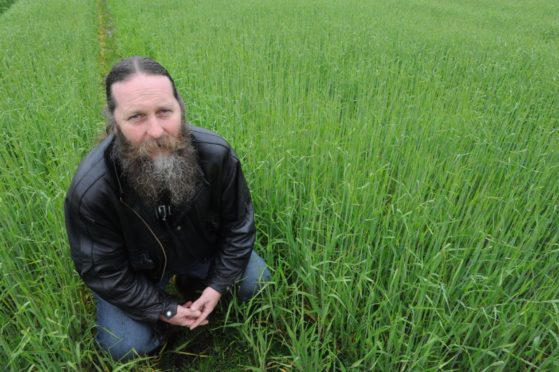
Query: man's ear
110,121
183,108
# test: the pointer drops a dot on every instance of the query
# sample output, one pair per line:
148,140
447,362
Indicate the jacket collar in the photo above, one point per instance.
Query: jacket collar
112,164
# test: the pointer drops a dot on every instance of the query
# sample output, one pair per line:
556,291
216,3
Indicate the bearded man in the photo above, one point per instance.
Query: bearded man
158,198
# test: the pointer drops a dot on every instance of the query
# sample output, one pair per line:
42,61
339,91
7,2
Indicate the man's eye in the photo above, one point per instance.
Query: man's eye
135,117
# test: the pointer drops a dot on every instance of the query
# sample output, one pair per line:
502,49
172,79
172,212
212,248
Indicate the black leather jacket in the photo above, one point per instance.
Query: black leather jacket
121,249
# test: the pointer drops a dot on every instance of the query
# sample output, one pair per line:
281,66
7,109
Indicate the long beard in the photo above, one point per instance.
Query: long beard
155,175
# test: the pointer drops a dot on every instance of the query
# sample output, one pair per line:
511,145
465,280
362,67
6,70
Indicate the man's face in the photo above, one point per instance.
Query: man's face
147,113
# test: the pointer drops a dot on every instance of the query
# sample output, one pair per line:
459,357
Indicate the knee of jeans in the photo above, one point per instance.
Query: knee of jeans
125,347
266,276
250,285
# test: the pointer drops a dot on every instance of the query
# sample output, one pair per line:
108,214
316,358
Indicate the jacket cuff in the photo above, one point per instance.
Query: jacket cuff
220,286
168,303
170,308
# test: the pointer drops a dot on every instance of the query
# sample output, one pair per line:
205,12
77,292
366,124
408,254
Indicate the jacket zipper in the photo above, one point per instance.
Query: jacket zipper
152,233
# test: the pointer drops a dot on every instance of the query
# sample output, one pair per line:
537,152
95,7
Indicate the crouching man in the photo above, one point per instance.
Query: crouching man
156,198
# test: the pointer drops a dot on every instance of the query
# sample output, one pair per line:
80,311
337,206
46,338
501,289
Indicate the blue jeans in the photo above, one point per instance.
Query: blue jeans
119,334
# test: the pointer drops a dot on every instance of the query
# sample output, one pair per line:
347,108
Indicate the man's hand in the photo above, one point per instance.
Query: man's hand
205,304
185,316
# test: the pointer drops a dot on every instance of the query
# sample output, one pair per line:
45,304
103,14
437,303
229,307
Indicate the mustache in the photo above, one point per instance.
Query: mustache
149,147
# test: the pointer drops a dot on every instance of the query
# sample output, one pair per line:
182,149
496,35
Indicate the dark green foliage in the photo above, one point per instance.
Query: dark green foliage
5,4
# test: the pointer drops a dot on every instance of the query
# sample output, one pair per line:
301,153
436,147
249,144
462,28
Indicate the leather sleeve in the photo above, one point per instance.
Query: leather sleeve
237,232
101,260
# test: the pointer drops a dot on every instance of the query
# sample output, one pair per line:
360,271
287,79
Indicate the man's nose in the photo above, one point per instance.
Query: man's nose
155,130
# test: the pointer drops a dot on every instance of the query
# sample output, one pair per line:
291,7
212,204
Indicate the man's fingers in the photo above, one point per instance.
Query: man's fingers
196,305
201,319
205,304
203,323
194,313
189,321
197,323
187,304
189,312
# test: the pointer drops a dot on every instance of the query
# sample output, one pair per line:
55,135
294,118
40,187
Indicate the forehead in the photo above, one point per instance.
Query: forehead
140,89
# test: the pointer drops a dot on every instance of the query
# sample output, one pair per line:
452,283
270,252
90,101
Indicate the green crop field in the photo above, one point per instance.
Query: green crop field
403,158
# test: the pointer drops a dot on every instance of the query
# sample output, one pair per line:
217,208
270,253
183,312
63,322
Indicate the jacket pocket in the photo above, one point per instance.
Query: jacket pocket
141,262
